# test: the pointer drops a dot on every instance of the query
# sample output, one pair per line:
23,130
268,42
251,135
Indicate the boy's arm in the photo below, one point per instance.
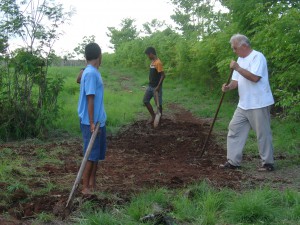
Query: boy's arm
79,76
162,77
90,99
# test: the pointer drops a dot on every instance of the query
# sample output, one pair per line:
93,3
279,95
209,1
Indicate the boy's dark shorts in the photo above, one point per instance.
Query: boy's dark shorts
149,94
99,148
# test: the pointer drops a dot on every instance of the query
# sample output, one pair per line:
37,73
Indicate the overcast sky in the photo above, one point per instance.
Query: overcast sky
94,16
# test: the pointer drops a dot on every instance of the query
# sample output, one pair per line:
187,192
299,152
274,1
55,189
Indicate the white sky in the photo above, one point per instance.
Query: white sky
94,16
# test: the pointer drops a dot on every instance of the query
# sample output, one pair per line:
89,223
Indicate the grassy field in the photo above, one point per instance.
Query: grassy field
196,204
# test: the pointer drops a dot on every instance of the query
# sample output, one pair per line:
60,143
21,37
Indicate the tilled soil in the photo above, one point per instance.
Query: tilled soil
139,157
168,156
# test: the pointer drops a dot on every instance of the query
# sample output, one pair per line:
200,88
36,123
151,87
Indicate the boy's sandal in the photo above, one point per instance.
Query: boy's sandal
227,165
266,167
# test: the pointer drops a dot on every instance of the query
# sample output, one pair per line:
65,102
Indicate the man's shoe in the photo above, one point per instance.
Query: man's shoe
266,167
227,165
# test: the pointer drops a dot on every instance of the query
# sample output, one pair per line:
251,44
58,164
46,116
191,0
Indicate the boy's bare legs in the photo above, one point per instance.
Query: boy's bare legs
150,109
92,180
86,178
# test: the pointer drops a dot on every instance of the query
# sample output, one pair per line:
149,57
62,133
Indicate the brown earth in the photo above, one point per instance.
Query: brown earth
138,157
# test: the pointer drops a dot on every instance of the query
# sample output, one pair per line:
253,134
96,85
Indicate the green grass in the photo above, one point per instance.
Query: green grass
43,218
147,203
252,207
100,218
201,204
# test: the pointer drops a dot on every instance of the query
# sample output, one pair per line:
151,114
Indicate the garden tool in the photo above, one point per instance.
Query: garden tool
158,113
212,125
83,163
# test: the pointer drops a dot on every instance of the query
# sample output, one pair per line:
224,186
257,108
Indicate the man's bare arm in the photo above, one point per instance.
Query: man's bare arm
245,73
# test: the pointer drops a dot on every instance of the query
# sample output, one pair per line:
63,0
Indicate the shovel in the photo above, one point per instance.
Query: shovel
83,163
212,125
158,113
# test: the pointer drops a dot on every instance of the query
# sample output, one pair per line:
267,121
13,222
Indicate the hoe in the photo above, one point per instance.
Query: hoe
83,163
212,125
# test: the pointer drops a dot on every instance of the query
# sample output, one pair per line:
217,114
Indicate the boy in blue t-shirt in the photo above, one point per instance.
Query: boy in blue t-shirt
90,111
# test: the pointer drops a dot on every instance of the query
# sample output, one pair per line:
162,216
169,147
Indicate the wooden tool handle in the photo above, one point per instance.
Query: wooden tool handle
83,163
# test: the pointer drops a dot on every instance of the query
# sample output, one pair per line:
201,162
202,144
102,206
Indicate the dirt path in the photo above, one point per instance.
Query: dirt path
138,157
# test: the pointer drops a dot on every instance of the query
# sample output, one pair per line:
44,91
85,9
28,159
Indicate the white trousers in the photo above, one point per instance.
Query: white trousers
239,127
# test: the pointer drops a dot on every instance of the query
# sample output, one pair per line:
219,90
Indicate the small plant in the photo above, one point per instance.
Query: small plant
43,218
144,204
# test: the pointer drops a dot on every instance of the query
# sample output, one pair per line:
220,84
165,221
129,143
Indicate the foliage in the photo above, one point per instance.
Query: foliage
127,33
79,50
196,18
28,99
153,26
278,36
198,48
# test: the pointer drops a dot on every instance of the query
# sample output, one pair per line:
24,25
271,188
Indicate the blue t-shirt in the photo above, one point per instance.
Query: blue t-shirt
91,84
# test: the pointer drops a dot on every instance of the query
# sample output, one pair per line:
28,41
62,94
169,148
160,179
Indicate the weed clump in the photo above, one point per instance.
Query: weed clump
252,207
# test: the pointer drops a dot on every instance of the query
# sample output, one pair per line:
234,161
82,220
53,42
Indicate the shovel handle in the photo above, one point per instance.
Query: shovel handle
216,114
83,163
156,98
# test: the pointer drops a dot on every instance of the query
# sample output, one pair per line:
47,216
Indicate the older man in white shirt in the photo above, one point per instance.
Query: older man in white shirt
251,78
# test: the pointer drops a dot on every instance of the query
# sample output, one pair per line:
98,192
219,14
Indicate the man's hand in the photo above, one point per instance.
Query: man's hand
92,127
157,89
234,65
225,87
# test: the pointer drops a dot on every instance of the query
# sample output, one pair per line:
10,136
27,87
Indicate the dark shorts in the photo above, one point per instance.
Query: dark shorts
149,94
99,148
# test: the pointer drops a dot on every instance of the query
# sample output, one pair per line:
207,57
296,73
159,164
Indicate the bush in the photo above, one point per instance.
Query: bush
28,101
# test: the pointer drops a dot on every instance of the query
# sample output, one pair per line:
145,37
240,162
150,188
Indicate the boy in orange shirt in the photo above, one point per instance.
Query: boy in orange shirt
156,78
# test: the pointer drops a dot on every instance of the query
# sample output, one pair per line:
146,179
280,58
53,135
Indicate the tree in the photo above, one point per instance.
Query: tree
153,26
196,18
79,50
128,32
28,99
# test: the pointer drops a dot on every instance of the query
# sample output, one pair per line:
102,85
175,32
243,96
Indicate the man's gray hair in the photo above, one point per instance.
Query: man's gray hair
240,39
